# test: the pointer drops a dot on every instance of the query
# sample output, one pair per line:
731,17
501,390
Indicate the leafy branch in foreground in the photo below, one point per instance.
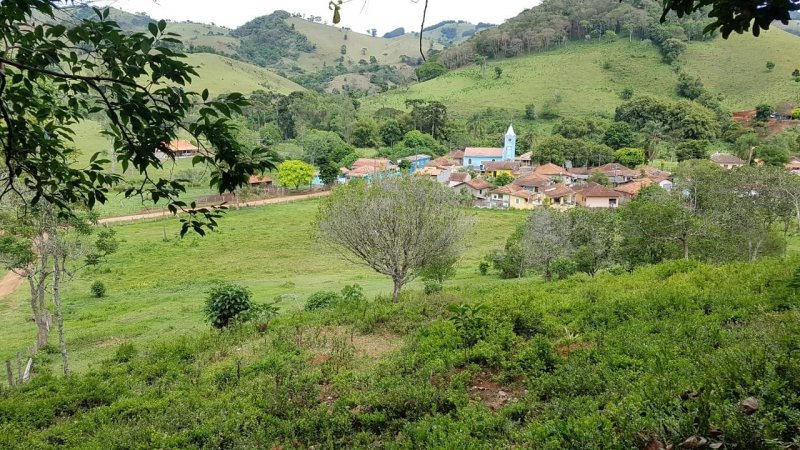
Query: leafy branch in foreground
54,76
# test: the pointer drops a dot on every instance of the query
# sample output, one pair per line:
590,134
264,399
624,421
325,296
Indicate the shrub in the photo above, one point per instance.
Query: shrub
125,353
98,289
225,302
483,267
321,299
353,293
626,94
432,287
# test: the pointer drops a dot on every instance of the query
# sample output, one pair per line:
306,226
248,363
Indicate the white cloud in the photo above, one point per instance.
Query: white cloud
360,15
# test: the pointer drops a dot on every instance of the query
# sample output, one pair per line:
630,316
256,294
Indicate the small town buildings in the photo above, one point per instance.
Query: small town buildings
458,178
727,161
631,189
436,173
417,161
495,168
477,187
376,163
259,181
617,173
525,159
560,194
579,174
180,148
501,197
476,157
458,157
594,195
532,182
523,199
555,173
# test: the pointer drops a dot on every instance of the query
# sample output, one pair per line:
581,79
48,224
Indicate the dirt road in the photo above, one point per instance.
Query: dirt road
11,281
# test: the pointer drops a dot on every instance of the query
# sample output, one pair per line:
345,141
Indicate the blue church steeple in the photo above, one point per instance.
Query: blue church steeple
510,147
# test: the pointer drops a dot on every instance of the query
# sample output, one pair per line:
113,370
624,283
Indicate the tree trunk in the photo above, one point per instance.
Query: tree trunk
39,316
59,316
398,284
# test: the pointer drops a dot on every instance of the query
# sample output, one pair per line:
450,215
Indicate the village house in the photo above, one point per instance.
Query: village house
477,157
594,195
523,199
180,148
617,173
560,195
501,197
417,162
458,178
631,189
532,182
495,168
555,173
259,181
437,174
458,157
525,159
478,188
727,161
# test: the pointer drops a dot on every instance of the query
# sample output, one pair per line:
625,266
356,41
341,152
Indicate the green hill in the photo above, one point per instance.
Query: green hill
588,77
220,75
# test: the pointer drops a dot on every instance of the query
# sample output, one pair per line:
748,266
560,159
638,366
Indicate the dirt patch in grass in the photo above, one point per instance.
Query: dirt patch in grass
327,341
566,349
494,395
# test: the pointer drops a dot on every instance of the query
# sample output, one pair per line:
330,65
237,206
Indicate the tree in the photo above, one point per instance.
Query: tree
630,157
796,73
672,49
295,173
430,70
691,149
366,133
498,72
545,239
343,49
391,132
328,172
770,66
618,135
763,111
734,17
689,87
503,179
419,141
593,237
626,93
395,225
530,112
225,302
599,178
55,75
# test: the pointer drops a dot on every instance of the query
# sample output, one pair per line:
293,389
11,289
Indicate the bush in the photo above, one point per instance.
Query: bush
483,267
432,287
321,299
353,293
125,353
225,302
98,289
626,94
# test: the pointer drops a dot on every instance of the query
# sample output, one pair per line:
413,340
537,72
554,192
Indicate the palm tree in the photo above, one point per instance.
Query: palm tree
654,133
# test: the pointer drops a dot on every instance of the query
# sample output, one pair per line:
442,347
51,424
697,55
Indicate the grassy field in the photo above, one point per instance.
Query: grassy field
329,40
156,282
222,75
588,77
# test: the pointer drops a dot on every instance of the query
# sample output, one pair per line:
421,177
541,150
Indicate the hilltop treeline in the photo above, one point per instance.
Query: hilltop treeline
555,22
267,39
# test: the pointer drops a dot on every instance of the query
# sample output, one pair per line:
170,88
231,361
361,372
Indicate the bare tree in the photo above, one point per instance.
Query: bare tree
395,225
545,239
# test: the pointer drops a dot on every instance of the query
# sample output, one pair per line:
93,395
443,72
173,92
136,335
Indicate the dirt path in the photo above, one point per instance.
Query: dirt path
268,201
11,281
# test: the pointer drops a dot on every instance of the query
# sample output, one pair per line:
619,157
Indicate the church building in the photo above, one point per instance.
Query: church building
477,157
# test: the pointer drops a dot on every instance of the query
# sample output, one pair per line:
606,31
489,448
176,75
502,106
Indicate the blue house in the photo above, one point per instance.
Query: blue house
417,161
476,157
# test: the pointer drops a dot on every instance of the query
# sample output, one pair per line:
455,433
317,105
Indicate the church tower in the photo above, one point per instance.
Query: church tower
510,147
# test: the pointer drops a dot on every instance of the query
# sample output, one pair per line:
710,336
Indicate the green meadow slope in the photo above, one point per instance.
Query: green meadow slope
588,77
222,75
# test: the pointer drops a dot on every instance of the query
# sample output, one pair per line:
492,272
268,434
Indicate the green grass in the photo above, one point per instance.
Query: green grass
157,282
734,68
221,75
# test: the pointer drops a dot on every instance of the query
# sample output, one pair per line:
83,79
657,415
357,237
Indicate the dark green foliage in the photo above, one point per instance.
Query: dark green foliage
689,87
796,73
395,33
267,39
691,149
770,66
125,353
626,94
630,157
763,111
530,112
684,118
432,287
503,179
729,17
498,72
321,299
483,267
430,70
618,135
98,289
469,322
225,302
672,49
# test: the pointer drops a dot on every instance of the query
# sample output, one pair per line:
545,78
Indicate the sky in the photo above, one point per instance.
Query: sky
359,15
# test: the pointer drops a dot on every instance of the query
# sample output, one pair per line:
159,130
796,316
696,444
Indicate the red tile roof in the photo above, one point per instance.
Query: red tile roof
558,190
457,154
617,170
483,152
550,169
478,183
525,156
182,145
596,190
501,165
532,180
632,188
724,158
256,179
459,177
507,189
360,162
